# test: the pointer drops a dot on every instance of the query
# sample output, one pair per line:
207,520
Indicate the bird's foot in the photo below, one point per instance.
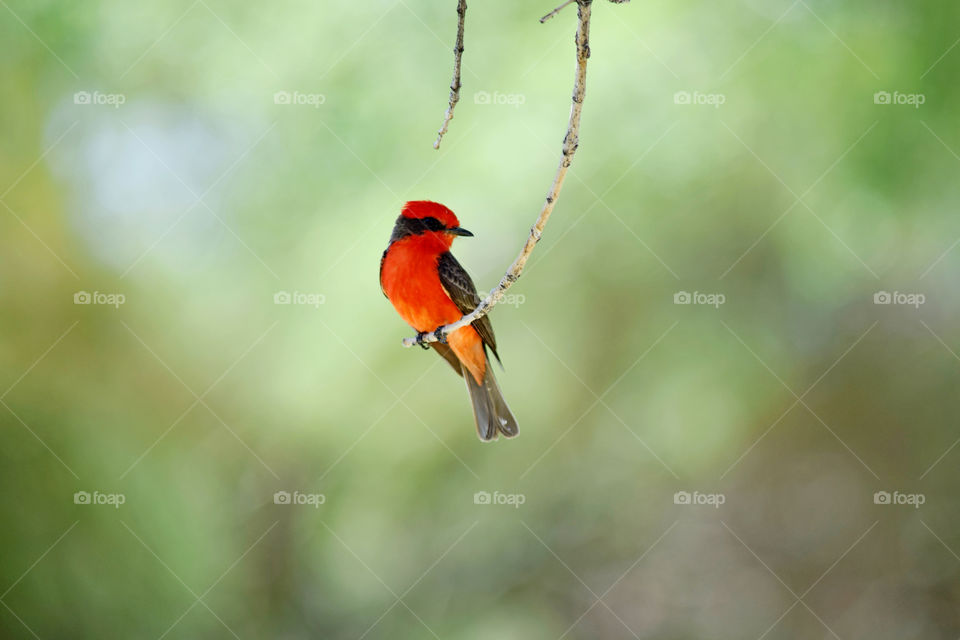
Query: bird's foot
421,335
437,334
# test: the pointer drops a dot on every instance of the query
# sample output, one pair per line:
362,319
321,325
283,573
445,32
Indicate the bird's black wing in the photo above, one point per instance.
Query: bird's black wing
458,285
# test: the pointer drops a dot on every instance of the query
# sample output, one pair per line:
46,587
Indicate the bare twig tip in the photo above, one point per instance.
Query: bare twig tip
455,83
555,11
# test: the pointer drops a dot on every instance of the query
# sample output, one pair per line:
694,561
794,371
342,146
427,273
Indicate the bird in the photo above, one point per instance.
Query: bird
429,289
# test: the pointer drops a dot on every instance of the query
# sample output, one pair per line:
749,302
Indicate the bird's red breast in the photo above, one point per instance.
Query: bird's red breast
410,281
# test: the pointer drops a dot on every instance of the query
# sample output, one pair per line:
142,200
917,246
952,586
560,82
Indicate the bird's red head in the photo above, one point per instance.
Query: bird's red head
429,224
420,209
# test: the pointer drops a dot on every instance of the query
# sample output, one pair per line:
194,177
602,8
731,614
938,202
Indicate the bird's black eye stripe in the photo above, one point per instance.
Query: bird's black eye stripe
432,224
414,226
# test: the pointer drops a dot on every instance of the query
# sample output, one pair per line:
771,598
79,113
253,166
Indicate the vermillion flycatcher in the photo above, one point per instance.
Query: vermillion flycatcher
429,289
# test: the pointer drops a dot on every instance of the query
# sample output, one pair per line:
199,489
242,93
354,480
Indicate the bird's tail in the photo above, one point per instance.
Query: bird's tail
490,410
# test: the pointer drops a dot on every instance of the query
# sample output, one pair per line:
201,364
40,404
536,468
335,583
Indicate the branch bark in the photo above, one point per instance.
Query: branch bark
570,143
455,84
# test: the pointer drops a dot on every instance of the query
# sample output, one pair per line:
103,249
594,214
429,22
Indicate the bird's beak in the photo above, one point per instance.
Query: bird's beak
458,231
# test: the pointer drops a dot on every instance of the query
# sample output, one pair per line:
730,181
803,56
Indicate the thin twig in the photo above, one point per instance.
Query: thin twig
455,84
556,11
570,142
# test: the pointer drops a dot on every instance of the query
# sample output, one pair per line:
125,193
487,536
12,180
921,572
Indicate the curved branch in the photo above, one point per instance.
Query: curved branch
455,84
570,142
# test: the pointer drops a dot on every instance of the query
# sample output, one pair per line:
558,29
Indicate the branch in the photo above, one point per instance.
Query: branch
570,142
555,11
455,84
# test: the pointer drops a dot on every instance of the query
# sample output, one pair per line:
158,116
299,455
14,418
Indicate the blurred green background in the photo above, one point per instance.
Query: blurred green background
735,148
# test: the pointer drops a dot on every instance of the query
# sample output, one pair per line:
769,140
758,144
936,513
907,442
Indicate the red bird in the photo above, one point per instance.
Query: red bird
429,288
